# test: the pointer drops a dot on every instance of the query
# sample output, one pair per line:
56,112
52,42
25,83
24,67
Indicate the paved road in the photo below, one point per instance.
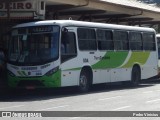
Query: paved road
145,97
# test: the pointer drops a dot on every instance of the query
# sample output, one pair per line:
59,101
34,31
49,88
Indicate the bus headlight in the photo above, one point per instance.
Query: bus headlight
52,71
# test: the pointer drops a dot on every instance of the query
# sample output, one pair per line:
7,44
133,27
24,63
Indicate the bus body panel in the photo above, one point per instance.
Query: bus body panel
149,68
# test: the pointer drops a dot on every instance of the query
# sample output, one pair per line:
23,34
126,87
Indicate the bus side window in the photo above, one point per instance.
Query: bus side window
135,39
105,41
68,46
120,40
149,42
87,39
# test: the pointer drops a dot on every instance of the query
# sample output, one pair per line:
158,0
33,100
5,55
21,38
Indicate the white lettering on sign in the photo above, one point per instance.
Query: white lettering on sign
17,5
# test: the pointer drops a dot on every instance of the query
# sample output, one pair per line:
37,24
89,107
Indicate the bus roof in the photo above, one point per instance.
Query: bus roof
158,35
84,24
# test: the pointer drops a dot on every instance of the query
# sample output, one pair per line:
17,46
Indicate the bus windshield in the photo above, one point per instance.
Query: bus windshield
34,45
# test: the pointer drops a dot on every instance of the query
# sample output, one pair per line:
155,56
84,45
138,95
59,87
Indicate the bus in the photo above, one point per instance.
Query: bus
158,43
61,53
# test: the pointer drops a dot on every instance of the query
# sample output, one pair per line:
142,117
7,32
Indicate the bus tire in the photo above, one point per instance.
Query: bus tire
135,76
84,81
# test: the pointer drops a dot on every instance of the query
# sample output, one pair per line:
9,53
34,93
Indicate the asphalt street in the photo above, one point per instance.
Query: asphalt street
112,98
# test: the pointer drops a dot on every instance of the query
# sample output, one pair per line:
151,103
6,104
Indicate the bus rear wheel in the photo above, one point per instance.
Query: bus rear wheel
84,82
136,76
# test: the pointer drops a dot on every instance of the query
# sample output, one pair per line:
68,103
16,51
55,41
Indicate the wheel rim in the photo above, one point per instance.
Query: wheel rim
83,82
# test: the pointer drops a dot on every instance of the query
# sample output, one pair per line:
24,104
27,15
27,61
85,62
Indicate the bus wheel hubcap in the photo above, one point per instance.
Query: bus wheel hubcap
83,81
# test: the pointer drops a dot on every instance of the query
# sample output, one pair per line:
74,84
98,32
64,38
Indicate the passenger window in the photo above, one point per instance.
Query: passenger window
149,41
120,40
86,39
105,41
135,39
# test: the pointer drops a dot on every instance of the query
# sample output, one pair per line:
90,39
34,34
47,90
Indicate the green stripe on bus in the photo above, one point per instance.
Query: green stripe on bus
111,59
137,57
48,81
114,59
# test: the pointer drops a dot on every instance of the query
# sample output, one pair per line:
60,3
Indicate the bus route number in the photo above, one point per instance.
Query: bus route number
85,60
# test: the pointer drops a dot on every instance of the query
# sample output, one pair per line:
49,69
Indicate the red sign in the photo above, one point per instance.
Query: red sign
16,5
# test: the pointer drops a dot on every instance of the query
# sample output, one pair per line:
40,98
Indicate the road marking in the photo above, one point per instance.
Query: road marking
110,98
52,108
120,108
12,107
151,101
148,92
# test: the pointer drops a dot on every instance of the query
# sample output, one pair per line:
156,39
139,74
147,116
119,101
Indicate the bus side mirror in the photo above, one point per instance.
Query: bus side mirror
64,29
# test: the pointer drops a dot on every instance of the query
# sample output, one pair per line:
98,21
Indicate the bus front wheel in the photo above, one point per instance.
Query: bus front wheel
84,82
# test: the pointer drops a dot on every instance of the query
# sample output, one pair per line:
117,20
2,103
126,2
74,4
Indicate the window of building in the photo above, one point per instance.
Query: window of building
42,5
87,39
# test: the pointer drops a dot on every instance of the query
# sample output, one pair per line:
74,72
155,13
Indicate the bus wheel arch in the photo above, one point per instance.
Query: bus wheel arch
85,79
135,74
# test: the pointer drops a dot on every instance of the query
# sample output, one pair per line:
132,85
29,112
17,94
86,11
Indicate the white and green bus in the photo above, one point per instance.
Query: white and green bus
59,53
158,43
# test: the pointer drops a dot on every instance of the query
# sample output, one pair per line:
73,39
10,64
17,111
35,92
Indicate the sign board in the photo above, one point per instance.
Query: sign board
34,9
